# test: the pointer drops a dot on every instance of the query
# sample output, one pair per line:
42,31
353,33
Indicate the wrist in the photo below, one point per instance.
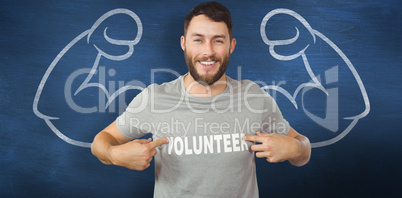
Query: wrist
297,149
111,150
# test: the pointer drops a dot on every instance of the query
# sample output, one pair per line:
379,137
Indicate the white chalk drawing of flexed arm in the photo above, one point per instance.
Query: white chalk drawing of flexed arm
91,72
314,82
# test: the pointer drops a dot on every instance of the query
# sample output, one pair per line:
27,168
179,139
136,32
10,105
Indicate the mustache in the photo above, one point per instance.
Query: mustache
209,58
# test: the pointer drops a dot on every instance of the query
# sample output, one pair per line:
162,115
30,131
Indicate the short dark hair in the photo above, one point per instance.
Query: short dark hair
213,10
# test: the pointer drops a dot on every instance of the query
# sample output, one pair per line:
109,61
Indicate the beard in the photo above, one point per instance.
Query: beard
206,79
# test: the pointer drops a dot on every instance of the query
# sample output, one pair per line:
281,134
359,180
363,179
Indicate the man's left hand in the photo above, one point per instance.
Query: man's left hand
274,147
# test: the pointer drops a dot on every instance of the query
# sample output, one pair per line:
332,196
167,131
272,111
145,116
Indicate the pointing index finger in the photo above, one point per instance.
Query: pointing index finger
253,138
158,142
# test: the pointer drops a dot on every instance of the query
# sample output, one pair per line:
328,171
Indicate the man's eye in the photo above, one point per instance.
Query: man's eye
197,40
219,41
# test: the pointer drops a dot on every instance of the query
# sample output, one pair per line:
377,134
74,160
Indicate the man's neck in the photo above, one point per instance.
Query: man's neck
201,90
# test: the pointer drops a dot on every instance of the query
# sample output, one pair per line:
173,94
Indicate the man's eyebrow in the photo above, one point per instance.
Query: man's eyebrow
220,36
196,35
201,35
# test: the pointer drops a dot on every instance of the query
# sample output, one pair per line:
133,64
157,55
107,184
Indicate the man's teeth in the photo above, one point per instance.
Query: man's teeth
207,62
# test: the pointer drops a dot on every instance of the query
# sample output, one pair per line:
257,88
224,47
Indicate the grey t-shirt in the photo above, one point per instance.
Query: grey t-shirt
206,155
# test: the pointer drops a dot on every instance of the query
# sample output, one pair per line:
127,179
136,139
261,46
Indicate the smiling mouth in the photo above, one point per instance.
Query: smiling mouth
207,63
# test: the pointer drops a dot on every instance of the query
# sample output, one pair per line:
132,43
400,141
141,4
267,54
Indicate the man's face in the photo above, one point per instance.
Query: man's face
207,47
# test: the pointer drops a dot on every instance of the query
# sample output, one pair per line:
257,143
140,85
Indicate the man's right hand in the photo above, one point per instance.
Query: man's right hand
136,154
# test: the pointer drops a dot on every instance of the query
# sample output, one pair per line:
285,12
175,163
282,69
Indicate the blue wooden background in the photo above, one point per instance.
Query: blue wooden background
36,162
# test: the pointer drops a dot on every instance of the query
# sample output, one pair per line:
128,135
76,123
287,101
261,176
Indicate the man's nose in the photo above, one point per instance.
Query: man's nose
208,49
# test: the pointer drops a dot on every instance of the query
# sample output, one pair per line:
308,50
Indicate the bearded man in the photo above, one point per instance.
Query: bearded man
204,124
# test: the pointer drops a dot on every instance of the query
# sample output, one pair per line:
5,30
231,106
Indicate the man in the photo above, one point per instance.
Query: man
204,124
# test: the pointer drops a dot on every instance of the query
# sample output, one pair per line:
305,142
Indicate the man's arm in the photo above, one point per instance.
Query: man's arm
277,148
112,147
304,150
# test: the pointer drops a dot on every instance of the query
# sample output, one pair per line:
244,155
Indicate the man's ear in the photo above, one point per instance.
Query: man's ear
232,45
183,42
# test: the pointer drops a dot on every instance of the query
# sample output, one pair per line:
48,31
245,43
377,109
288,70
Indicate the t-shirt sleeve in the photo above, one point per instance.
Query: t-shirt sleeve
273,121
128,123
